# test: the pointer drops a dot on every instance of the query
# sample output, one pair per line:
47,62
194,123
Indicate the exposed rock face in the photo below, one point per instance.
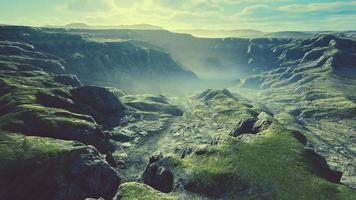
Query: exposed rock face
111,160
88,133
244,126
158,176
68,79
317,163
92,177
320,167
262,123
99,102
300,137
252,125
53,169
98,98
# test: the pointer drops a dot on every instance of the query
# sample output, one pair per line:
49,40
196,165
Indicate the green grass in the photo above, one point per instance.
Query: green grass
19,147
151,105
224,110
270,166
133,190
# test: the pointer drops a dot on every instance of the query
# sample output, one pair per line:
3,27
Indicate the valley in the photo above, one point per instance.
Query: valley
152,114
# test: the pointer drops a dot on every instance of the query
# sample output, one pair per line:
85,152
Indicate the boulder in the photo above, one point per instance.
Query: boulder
111,160
186,151
215,140
158,176
91,177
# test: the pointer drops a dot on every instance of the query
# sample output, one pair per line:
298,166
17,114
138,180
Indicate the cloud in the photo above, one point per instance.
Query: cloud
250,10
207,14
312,7
89,5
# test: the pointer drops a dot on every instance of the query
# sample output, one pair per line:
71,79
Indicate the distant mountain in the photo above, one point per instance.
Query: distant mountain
78,25
241,33
86,26
289,34
245,33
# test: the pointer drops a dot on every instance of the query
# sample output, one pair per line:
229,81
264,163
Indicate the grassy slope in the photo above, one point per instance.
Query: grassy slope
33,165
271,166
223,109
136,191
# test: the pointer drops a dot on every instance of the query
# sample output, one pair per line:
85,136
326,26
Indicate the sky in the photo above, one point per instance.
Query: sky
264,15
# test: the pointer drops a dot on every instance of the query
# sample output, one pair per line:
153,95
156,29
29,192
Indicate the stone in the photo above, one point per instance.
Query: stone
158,176
111,160
185,152
215,140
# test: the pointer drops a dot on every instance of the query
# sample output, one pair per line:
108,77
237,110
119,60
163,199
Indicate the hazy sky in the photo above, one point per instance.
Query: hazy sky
265,15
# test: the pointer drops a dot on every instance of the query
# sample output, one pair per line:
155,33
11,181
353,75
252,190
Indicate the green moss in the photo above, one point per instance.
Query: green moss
270,166
15,147
133,190
149,104
36,166
224,110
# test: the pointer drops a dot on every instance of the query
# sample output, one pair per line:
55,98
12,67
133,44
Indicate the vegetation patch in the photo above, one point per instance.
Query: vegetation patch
133,190
272,165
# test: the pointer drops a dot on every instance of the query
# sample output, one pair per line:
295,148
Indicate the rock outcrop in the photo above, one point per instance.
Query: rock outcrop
53,169
158,176
252,125
100,103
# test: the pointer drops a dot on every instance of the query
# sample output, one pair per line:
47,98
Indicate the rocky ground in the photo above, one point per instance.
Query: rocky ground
192,149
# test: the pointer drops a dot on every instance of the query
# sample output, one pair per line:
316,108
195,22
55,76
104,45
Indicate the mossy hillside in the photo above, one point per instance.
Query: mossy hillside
223,108
21,87
33,103
324,108
136,191
270,166
26,162
150,104
45,168
20,147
